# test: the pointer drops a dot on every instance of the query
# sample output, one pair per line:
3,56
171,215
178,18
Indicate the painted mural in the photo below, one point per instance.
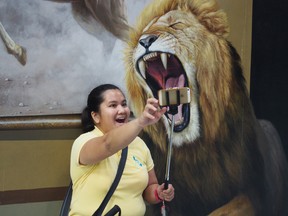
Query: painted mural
65,60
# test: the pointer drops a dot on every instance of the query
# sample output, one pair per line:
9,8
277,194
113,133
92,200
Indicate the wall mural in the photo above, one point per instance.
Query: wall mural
225,161
64,61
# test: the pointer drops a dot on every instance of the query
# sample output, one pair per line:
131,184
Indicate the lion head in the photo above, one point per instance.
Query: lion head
177,44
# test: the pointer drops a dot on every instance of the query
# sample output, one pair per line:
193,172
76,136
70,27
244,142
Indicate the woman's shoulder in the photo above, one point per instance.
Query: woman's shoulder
83,136
88,135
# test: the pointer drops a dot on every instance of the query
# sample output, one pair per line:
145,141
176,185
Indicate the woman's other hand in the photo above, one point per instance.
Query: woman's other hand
166,194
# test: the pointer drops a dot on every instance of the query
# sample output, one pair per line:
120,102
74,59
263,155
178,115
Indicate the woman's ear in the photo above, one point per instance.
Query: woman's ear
95,117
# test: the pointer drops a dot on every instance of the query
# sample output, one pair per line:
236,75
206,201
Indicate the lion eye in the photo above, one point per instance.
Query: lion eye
178,26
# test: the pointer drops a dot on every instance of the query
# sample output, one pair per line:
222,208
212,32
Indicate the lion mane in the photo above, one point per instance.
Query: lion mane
220,150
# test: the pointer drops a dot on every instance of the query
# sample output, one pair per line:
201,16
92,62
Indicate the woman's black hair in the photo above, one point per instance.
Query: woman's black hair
95,98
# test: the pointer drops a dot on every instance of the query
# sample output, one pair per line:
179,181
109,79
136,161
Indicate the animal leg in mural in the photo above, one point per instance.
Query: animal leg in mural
224,161
12,48
105,19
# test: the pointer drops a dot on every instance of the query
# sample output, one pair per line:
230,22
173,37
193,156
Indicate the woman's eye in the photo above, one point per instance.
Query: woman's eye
113,105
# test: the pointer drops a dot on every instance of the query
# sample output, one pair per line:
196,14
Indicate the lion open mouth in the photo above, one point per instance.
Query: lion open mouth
163,71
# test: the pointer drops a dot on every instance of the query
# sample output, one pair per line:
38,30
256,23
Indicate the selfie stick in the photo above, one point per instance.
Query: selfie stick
172,110
169,154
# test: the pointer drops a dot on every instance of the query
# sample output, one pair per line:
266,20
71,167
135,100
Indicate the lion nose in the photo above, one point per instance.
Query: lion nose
147,41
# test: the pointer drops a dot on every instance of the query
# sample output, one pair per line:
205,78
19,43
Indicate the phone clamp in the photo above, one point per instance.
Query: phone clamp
173,110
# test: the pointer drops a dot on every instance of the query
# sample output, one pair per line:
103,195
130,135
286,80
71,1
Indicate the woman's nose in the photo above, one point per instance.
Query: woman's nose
121,109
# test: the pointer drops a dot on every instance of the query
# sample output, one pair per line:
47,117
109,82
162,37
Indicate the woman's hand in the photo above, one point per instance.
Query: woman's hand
152,112
167,194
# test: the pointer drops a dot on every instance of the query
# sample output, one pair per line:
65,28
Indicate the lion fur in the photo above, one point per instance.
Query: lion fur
221,156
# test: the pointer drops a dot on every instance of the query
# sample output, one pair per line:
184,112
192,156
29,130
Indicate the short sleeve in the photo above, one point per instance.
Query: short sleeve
77,146
76,169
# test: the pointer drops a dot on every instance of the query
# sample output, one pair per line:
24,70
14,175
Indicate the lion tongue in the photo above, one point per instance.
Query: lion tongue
175,82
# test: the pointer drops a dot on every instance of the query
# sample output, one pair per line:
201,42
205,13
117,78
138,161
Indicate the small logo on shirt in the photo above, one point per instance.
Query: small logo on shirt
137,161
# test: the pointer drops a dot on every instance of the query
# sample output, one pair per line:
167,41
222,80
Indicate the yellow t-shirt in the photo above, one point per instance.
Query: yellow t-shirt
91,183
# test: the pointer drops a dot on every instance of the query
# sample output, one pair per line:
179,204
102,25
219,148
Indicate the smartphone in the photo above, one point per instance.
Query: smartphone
174,96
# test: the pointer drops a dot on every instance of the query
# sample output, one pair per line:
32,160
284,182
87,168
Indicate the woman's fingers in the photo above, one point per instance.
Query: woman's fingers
152,112
153,109
169,193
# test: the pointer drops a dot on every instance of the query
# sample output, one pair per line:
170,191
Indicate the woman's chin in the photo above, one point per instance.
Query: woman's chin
120,124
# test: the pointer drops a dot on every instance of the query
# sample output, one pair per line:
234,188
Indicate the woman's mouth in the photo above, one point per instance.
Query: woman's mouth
120,120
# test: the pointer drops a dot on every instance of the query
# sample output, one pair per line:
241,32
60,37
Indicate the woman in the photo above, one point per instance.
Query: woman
95,156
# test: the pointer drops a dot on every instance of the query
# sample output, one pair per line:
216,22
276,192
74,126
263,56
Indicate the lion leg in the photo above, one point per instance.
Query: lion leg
238,206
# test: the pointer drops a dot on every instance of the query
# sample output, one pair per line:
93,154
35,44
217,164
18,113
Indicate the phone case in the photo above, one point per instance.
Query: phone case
174,96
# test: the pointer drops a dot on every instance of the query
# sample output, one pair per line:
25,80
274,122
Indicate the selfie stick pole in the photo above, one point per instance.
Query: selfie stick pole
169,154
173,110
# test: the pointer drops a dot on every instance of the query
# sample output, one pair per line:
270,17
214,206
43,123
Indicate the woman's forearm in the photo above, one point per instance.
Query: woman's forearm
102,147
151,194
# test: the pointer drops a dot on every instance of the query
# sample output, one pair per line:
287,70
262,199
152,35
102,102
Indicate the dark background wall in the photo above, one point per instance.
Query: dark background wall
269,66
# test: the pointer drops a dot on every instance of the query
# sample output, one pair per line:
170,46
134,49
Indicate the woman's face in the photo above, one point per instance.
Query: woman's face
114,111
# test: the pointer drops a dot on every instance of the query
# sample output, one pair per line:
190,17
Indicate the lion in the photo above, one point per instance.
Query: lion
224,160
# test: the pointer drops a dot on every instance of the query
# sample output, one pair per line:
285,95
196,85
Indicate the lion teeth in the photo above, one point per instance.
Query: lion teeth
142,69
163,57
150,55
142,64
